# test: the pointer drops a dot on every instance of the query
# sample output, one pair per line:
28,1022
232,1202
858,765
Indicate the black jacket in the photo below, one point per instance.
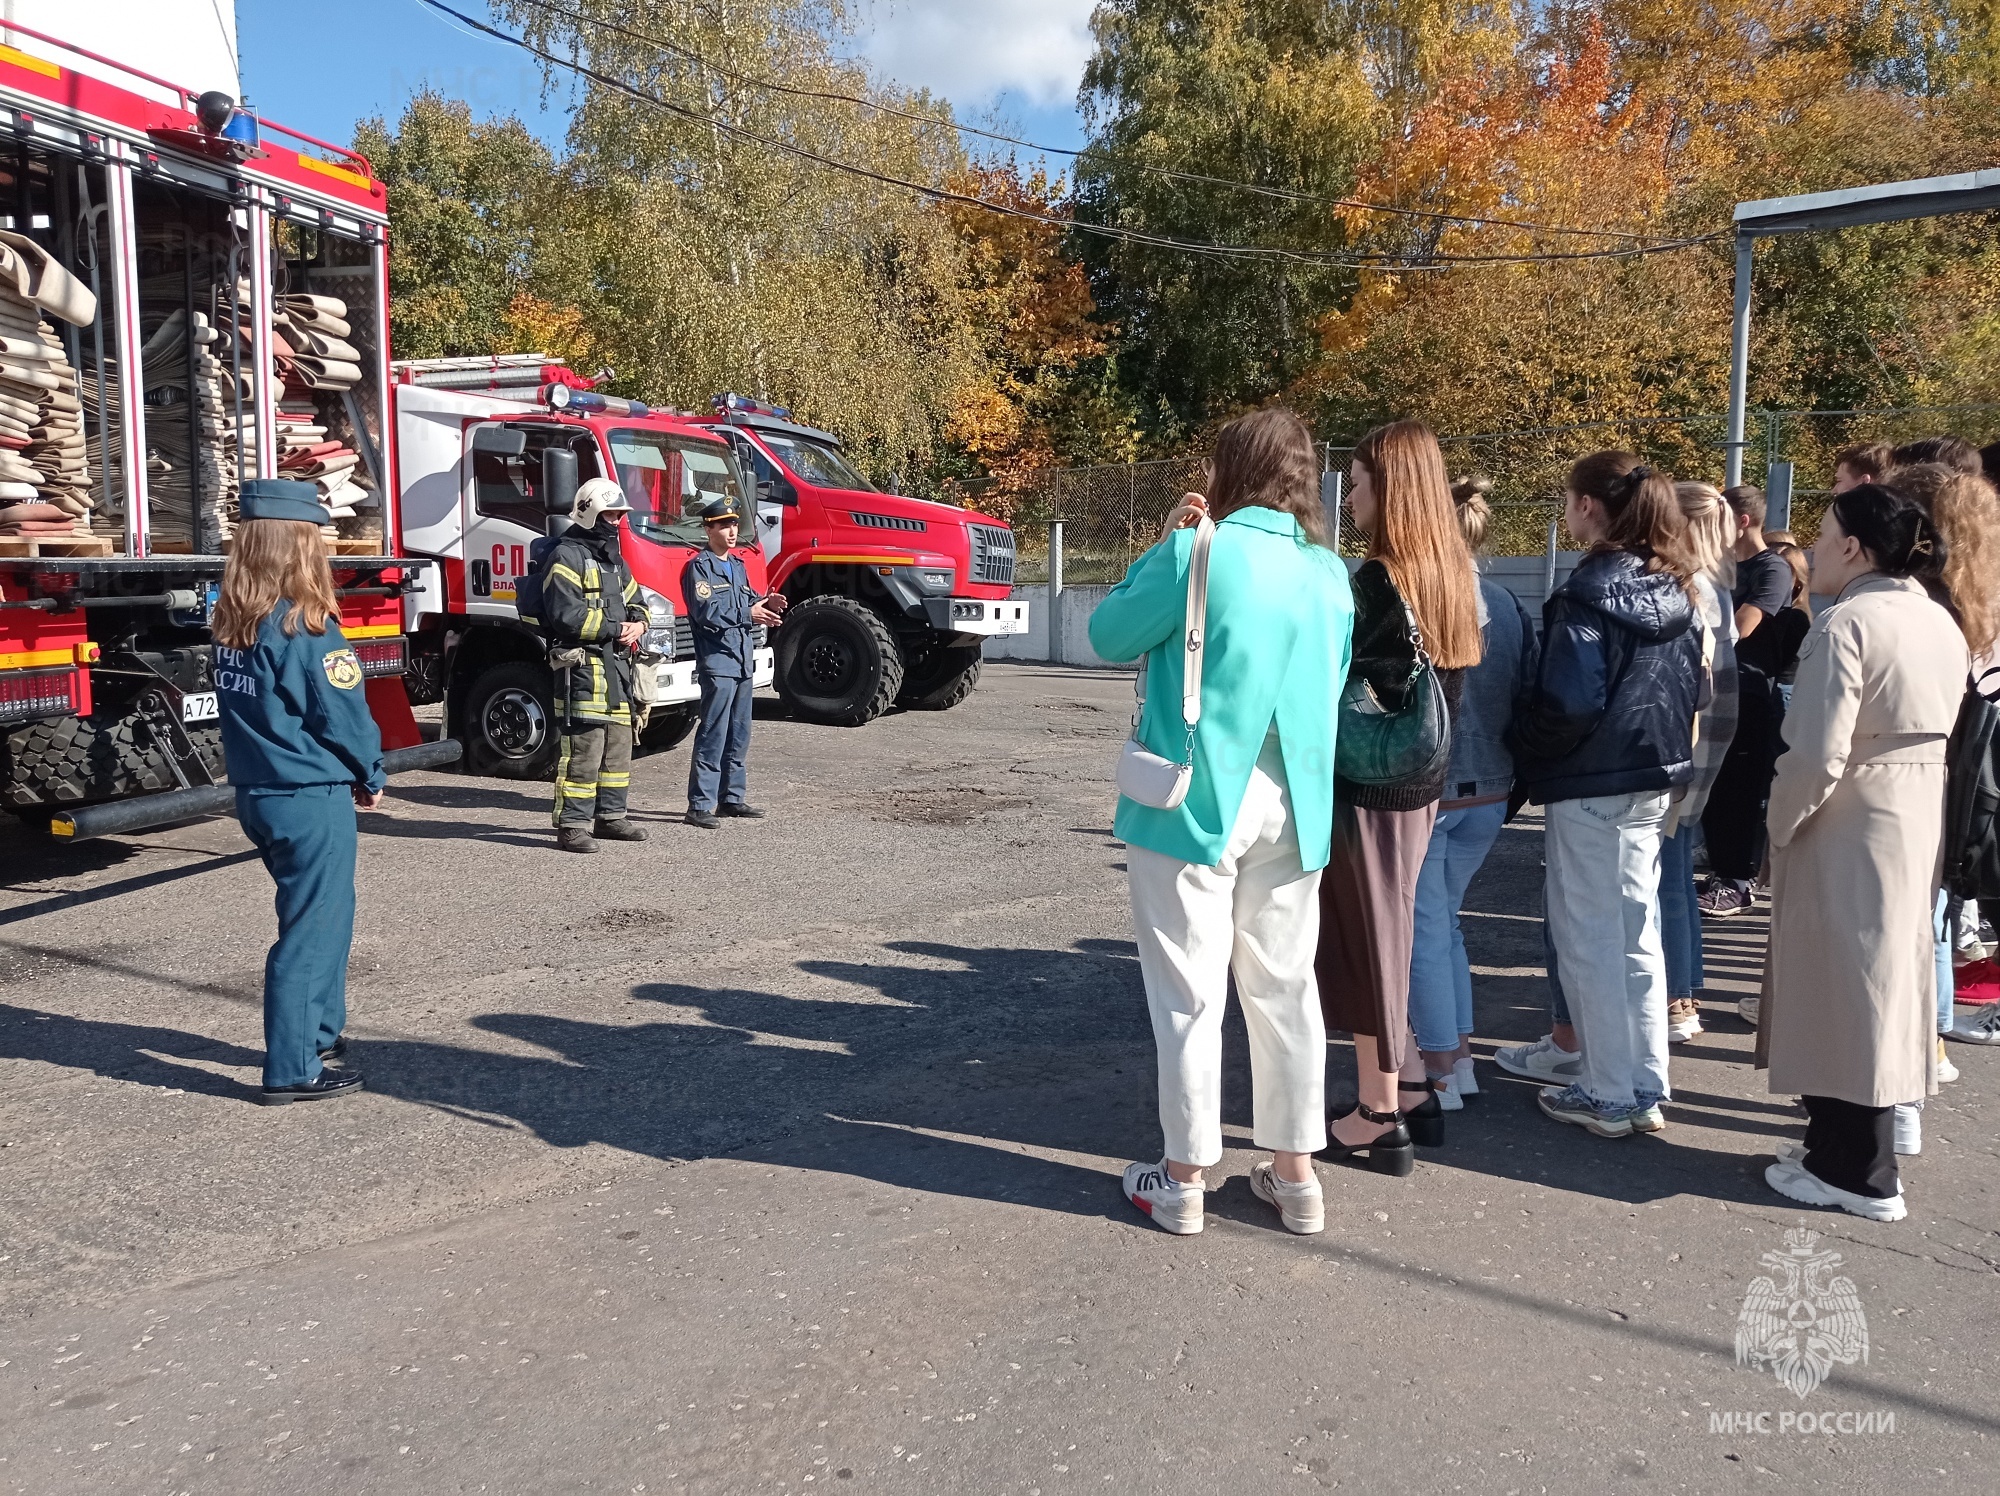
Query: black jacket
1620,681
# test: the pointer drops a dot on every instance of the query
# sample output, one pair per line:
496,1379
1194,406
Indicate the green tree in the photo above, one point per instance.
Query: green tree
469,207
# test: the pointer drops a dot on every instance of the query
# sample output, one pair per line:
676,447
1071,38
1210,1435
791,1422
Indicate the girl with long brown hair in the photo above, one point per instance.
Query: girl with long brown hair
1418,573
1607,734
303,753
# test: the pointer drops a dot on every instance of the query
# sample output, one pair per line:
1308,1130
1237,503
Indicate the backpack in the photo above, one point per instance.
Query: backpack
528,589
1972,797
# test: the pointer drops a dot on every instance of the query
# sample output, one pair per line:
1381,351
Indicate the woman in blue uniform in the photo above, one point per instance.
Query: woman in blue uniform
303,752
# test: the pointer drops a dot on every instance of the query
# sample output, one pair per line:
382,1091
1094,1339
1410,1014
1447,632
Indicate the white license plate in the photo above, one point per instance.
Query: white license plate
200,706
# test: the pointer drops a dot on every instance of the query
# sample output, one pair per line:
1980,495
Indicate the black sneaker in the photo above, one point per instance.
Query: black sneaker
742,811
618,830
328,1083
708,820
1723,900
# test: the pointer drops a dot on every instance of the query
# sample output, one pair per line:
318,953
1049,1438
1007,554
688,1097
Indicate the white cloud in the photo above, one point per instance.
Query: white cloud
970,51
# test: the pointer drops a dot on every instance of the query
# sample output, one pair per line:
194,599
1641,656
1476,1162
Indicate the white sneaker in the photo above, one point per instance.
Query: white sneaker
1683,1020
1542,1060
1302,1207
1174,1206
1747,1009
1793,1151
1463,1080
1982,1027
1946,1071
1445,1088
1910,1128
1793,1182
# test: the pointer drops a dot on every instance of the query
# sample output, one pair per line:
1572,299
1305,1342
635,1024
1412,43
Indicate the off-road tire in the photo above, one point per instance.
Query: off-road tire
945,679
837,662
86,760
508,707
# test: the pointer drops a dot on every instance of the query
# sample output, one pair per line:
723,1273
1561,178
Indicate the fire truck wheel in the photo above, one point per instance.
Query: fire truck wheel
82,760
510,722
837,662
944,679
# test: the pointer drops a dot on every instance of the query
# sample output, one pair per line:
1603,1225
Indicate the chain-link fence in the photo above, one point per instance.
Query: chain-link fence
1110,514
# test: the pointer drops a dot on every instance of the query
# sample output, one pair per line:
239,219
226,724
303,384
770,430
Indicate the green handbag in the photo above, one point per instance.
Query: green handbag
1382,746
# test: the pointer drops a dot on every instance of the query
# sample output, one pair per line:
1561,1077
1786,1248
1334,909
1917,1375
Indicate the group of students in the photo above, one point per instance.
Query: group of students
1692,676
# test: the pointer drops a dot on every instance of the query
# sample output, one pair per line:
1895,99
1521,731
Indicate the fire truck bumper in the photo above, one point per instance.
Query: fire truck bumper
678,683
977,616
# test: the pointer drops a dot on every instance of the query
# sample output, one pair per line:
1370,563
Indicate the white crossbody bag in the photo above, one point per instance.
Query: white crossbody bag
1144,776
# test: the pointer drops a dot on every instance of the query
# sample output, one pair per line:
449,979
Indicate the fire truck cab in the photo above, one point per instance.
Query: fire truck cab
892,598
489,454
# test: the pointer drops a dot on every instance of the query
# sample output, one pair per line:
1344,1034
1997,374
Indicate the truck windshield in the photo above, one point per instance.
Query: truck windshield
816,462
667,479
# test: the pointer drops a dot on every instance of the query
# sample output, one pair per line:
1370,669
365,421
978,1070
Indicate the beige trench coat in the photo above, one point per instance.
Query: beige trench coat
1856,822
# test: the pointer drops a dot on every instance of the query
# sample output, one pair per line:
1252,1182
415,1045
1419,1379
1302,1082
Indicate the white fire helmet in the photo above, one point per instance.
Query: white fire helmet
598,496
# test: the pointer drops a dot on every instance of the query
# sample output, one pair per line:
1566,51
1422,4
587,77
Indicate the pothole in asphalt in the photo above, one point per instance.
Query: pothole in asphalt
941,807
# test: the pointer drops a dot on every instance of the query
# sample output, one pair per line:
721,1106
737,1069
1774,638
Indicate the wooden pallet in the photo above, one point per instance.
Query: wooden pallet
54,545
354,547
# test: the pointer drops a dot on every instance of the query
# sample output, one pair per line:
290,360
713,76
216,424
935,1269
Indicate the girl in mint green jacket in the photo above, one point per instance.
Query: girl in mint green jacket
1230,878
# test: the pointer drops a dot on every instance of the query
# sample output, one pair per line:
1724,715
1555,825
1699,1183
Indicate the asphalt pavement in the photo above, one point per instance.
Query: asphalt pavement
785,1155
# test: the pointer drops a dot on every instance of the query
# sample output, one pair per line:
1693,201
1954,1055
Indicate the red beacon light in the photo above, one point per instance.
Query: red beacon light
743,405
567,398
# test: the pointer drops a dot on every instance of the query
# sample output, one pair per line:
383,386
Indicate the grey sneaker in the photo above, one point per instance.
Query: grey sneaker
1302,1207
1173,1206
1647,1119
1722,900
1542,1060
1748,1009
1572,1104
1981,1028
1794,1182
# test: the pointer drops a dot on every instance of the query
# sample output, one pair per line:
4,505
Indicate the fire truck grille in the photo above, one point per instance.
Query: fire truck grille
684,638
992,555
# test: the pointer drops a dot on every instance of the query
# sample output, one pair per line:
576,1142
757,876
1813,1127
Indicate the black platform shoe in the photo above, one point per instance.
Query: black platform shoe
1389,1151
1425,1120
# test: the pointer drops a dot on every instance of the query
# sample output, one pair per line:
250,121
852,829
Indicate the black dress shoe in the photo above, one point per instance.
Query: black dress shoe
326,1084
336,1050
739,809
1425,1120
618,830
1389,1151
708,820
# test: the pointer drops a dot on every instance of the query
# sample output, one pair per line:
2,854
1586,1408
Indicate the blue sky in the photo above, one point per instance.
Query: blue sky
1008,64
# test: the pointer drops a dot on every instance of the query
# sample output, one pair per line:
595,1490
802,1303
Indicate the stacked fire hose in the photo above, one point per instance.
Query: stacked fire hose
44,470
318,366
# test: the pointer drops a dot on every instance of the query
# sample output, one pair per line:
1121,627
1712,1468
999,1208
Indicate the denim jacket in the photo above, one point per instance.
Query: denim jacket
1482,767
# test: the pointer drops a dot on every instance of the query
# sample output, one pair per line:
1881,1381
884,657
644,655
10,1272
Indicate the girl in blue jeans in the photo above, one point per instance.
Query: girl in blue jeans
1469,819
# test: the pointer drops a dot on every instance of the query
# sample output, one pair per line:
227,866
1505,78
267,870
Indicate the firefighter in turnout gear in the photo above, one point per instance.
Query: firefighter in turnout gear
723,610
593,620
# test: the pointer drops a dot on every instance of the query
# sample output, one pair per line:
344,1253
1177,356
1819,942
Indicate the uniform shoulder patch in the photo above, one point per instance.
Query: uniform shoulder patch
703,591
342,668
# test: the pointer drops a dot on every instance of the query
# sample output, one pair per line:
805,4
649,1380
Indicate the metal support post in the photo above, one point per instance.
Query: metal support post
1549,562
264,387
1778,496
1055,591
1739,361
124,267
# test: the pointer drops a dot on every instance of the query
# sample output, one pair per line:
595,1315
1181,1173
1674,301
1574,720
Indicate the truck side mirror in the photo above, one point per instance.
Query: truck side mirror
558,480
777,491
500,441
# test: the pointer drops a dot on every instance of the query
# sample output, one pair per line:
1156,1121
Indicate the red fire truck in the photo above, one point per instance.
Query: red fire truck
891,598
489,453
195,226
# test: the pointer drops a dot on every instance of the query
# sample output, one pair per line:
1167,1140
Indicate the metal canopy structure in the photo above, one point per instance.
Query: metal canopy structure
1815,212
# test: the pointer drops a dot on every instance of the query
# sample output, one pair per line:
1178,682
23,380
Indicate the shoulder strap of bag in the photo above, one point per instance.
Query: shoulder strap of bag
1194,640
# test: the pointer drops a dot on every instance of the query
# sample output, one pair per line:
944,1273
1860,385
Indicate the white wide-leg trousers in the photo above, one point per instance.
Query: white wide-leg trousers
1255,912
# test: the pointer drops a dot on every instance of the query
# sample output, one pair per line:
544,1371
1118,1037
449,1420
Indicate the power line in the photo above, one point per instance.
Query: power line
1361,260
1286,194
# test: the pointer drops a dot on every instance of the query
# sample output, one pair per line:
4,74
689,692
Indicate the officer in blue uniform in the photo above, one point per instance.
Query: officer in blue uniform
303,752
723,610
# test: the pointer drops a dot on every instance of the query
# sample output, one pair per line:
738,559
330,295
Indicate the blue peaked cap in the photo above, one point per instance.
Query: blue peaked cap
281,498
